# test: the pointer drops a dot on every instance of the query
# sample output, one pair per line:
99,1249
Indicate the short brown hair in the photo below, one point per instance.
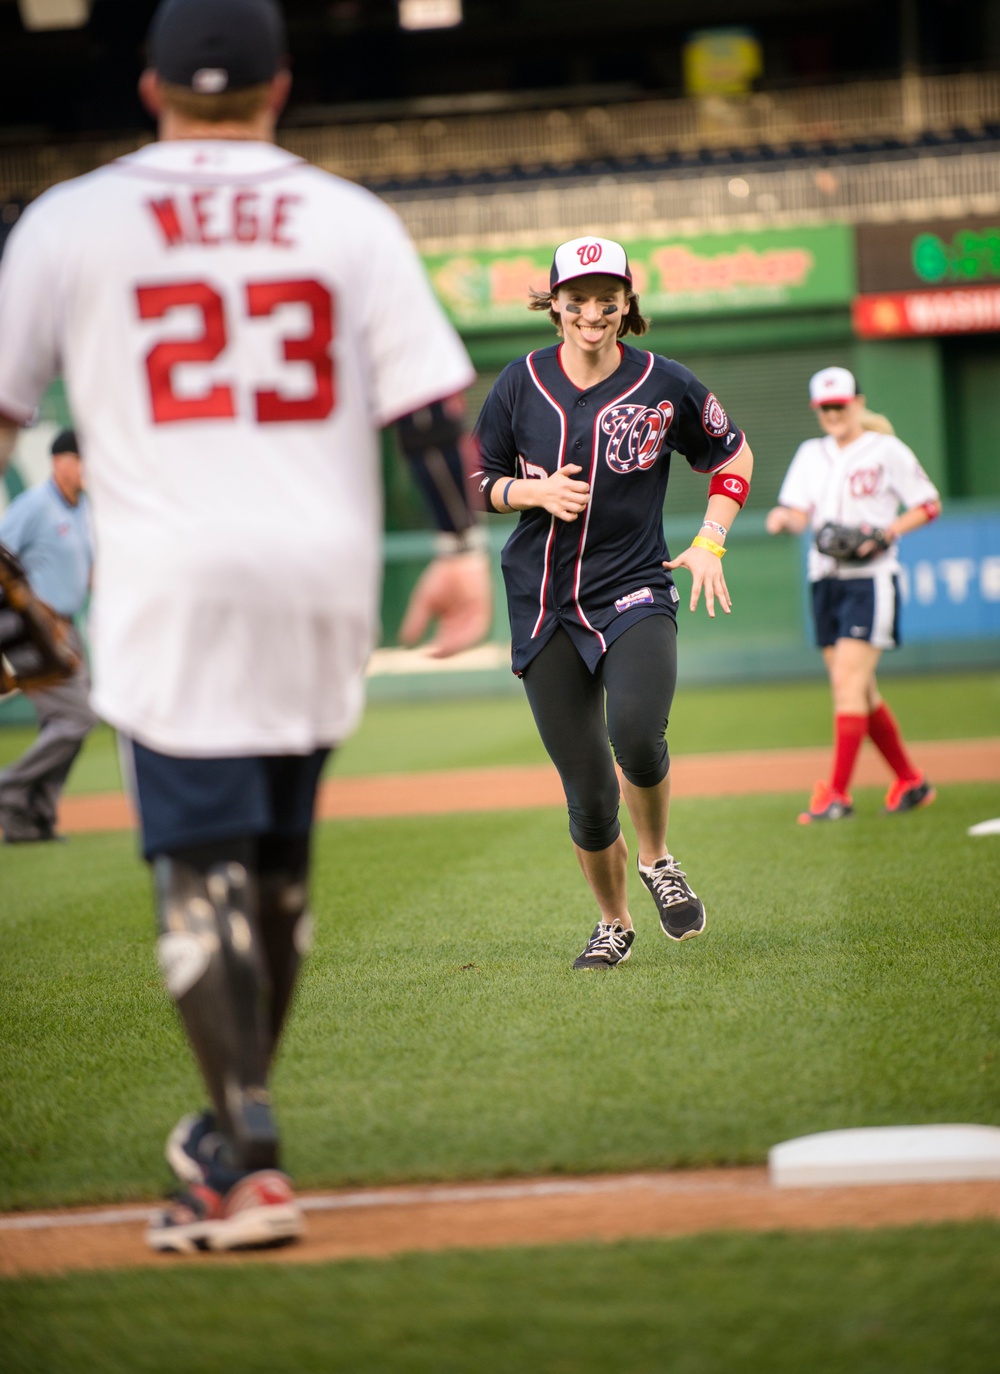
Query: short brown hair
228,107
634,322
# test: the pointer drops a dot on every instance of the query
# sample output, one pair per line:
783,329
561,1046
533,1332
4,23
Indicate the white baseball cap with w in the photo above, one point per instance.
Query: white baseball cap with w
832,386
587,256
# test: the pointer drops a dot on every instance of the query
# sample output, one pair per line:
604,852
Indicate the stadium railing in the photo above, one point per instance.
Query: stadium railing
628,205
506,141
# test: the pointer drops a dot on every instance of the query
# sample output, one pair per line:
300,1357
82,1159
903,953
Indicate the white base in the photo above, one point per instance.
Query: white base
887,1154
985,828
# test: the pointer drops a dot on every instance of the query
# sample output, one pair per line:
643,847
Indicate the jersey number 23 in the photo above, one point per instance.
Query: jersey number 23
218,401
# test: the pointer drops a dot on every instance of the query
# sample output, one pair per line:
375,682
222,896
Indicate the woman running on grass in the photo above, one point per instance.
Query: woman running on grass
578,437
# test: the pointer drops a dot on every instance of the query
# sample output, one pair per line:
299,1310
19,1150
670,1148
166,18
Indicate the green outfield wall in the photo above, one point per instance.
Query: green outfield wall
756,345
767,636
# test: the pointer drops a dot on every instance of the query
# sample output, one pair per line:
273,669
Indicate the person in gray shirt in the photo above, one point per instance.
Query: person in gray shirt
48,527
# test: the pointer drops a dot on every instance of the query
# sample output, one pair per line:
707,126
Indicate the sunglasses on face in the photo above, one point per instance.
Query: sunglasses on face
833,405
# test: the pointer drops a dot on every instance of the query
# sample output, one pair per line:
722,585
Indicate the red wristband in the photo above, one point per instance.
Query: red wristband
732,485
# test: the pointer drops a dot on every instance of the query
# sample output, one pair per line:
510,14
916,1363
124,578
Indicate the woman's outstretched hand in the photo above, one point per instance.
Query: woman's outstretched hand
705,568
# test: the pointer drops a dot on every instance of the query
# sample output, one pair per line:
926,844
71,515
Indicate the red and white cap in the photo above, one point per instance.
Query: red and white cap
832,386
587,256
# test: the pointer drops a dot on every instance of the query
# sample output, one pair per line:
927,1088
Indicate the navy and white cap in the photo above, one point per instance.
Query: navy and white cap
211,46
587,256
832,386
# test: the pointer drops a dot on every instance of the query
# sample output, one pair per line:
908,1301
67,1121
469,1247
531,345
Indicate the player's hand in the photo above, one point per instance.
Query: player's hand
786,520
706,575
457,592
561,495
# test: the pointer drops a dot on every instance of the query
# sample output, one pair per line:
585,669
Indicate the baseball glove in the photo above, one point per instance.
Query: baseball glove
35,647
843,542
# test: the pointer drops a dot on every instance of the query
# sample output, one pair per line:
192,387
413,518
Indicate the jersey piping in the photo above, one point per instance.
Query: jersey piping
594,457
726,461
547,562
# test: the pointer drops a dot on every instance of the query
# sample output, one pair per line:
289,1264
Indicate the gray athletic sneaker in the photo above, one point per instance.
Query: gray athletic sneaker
682,914
609,946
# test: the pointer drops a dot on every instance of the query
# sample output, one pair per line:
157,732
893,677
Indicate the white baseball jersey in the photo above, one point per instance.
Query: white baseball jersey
234,326
864,483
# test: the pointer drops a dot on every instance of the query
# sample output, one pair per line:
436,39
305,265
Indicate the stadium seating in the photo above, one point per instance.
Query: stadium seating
914,142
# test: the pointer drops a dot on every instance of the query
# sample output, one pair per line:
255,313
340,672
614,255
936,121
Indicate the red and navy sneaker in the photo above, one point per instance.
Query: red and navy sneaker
906,794
258,1212
827,805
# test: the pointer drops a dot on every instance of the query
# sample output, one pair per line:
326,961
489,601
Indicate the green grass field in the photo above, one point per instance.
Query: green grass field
478,732
848,977
914,1301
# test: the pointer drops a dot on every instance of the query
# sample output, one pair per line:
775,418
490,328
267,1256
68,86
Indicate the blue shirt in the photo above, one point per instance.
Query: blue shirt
53,540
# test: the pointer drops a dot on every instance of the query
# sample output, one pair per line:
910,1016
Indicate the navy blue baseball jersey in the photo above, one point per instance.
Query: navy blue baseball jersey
599,573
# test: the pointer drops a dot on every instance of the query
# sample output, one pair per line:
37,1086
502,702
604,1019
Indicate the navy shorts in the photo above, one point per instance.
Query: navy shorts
191,801
864,608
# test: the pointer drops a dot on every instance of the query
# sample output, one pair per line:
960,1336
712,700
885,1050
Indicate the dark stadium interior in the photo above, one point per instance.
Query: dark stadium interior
352,59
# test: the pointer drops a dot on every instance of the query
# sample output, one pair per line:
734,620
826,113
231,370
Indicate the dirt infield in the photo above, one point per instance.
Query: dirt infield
500,789
352,1225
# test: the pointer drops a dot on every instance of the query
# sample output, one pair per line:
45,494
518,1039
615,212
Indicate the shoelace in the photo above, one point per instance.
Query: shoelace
611,940
669,885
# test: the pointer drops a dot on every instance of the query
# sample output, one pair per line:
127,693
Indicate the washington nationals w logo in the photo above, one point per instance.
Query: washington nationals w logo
636,435
865,481
588,253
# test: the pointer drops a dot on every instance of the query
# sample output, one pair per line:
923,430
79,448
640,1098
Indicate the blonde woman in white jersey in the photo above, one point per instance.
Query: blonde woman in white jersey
858,475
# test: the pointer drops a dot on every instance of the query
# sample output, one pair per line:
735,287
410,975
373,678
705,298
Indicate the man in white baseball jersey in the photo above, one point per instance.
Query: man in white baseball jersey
234,327
861,478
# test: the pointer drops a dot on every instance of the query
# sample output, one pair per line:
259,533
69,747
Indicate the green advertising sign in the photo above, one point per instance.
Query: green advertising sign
970,256
717,274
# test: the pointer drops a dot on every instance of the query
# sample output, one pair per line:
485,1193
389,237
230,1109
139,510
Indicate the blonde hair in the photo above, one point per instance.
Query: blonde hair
228,107
877,424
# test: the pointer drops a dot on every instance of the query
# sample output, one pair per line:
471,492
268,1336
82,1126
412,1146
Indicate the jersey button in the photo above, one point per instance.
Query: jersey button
581,403
578,444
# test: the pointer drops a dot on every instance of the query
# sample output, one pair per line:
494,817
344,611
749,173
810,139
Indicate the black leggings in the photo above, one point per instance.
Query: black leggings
638,673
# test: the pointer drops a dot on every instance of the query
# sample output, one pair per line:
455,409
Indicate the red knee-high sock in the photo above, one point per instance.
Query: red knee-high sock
889,742
848,733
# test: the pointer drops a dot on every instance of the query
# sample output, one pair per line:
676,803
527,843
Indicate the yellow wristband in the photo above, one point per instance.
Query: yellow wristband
699,542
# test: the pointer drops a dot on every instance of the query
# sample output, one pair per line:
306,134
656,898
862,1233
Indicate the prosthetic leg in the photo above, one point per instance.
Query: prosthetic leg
285,922
212,957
